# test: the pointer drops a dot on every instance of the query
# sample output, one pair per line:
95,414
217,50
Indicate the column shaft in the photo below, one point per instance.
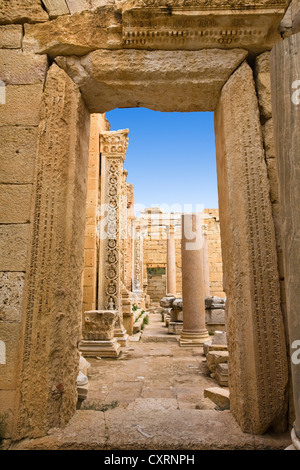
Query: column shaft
194,331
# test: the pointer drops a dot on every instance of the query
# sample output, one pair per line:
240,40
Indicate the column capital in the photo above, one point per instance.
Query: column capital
114,143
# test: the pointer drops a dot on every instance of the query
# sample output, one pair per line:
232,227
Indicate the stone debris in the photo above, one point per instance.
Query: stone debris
219,396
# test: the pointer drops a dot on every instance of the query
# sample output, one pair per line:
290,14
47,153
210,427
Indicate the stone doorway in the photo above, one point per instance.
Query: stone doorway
219,79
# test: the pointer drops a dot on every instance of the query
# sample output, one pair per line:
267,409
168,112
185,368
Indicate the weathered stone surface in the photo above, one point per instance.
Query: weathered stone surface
216,357
10,335
285,65
15,203
21,11
18,68
56,8
50,359
99,325
17,154
268,138
221,374
13,247
159,80
219,396
178,25
22,106
80,5
255,327
11,296
11,37
167,302
296,16
263,84
215,302
77,34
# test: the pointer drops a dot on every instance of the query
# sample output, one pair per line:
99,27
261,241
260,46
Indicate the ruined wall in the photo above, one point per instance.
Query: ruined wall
23,75
155,254
49,358
91,261
258,373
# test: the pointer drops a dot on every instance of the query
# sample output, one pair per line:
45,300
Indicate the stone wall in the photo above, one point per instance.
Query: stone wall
155,253
91,248
23,75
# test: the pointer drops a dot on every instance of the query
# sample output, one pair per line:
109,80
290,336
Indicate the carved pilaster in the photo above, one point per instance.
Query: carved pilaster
113,152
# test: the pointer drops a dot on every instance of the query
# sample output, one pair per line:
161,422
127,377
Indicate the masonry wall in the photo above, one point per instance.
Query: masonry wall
98,124
22,75
155,255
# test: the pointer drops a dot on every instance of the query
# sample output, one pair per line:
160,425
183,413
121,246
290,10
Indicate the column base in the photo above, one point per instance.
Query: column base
175,328
91,348
295,441
122,337
189,338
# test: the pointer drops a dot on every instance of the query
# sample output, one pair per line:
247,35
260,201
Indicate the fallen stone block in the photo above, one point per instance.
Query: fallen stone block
219,396
221,374
216,357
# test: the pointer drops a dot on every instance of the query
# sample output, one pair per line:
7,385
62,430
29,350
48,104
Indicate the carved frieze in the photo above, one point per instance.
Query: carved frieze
192,24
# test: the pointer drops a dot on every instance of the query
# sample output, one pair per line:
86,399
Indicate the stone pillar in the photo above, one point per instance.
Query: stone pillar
171,260
206,267
258,373
113,151
194,332
285,83
49,357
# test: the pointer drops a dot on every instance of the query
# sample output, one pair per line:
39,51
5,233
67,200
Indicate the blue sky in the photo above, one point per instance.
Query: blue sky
170,158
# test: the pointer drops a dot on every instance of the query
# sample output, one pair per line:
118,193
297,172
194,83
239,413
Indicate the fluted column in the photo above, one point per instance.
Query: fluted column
194,331
171,260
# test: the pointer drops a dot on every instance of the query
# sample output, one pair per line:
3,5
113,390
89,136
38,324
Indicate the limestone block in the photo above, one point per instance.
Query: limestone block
21,11
22,106
207,347
80,5
11,296
268,137
263,84
15,203
13,247
216,357
221,374
237,24
56,8
19,68
251,278
273,179
295,16
219,396
77,34
181,81
167,302
10,336
17,156
215,302
7,412
285,66
99,325
11,36
215,317
53,293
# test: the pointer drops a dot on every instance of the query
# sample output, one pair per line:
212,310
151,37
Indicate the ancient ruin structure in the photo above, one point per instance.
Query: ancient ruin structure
61,62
